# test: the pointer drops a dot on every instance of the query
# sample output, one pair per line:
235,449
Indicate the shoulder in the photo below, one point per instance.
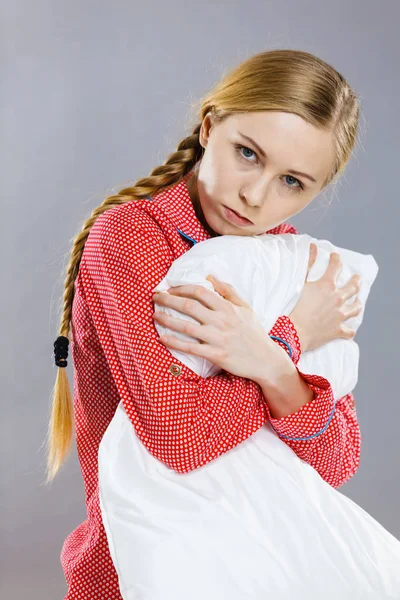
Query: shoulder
283,228
126,218
130,236
125,227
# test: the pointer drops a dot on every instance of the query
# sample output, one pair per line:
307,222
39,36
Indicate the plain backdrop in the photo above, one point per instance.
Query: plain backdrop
94,95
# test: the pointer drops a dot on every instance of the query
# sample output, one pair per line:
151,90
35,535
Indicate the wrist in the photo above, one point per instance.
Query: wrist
286,394
273,364
284,389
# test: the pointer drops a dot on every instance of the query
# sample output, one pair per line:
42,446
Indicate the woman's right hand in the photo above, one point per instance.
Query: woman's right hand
320,313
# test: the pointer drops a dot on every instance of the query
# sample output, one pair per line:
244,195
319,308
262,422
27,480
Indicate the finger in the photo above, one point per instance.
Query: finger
312,256
203,350
193,330
334,267
351,288
347,333
200,293
352,310
227,291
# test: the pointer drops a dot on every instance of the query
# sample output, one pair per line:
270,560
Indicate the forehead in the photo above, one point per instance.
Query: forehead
288,141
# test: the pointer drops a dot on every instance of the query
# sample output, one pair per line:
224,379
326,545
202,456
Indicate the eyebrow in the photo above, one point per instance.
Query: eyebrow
261,151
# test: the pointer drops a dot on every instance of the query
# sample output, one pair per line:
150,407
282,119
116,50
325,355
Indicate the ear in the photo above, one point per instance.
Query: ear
205,130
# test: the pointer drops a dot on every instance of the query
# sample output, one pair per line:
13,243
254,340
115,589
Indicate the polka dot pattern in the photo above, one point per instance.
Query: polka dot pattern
183,420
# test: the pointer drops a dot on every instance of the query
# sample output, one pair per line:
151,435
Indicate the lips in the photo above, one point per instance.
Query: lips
239,215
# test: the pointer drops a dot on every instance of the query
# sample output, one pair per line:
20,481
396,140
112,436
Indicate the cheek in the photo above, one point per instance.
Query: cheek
220,186
221,166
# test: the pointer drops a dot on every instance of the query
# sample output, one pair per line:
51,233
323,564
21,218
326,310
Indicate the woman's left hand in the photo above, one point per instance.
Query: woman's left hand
229,332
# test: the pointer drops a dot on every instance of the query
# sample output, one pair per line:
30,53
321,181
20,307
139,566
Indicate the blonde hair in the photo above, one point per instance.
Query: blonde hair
283,80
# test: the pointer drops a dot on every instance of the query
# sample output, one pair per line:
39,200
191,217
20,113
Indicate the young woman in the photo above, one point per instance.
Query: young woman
271,135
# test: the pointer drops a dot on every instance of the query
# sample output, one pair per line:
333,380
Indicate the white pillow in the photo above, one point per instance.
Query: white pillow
258,521
268,271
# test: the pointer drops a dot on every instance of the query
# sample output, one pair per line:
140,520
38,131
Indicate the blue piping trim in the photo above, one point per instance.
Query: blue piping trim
274,337
310,437
188,237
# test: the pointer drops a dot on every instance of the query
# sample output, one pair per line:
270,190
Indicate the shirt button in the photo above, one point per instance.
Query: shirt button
175,369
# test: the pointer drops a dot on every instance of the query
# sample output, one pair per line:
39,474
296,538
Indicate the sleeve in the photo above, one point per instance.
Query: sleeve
324,433
184,420
283,332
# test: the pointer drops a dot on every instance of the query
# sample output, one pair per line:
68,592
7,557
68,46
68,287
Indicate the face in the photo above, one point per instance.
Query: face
252,175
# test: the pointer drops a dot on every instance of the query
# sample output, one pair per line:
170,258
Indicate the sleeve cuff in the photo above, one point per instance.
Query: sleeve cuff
285,330
313,418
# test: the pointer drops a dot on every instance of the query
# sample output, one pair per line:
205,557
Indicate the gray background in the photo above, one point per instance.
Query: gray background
96,94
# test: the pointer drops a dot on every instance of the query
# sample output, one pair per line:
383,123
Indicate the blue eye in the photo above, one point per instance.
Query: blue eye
238,148
291,188
248,150
294,187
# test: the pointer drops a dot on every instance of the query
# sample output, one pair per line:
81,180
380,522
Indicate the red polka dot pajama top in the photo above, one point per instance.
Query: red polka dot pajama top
183,420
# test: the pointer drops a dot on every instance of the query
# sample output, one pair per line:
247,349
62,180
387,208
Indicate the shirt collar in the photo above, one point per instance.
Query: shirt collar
177,204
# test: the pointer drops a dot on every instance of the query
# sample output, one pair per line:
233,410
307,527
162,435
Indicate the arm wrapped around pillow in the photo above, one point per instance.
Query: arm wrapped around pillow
269,271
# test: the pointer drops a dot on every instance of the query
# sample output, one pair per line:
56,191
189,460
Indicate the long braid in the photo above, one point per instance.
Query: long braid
178,164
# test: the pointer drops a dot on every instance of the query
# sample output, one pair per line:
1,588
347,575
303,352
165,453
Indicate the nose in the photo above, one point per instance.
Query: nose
255,194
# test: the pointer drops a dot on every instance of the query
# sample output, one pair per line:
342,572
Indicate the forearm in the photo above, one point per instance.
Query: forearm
284,389
322,432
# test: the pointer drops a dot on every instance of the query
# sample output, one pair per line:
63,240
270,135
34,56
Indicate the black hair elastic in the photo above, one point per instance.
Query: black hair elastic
61,351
